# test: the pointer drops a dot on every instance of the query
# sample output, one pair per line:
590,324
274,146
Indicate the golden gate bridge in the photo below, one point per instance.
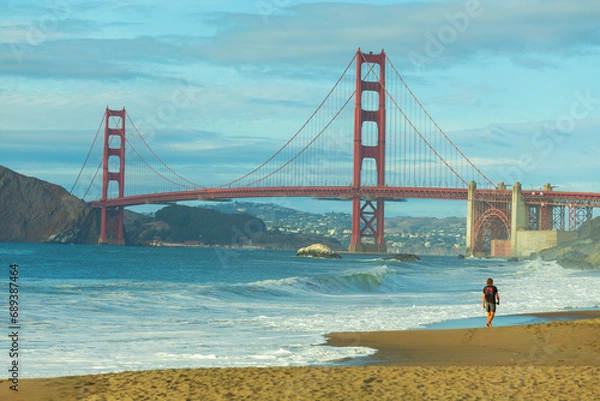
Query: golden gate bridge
369,141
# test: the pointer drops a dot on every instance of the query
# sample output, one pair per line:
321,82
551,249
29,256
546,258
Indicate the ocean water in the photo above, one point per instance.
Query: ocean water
94,309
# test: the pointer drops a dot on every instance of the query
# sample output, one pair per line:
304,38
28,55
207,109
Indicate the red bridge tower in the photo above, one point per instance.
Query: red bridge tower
111,223
367,214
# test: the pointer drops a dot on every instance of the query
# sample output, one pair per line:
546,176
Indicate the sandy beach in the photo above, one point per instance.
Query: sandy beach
547,361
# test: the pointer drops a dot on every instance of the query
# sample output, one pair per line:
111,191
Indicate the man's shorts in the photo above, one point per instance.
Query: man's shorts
490,307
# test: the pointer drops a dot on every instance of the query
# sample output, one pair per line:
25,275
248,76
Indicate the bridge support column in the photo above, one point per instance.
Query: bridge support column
471,218
111,226
578,215
367,222
113,173
519,220
367,217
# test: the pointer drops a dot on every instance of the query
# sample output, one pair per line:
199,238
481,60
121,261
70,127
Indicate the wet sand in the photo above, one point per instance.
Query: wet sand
571,338
557,360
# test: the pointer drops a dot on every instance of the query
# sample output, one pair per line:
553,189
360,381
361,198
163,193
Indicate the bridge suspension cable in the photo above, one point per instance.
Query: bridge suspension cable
192,185
87,157
294,137
307,145
439,129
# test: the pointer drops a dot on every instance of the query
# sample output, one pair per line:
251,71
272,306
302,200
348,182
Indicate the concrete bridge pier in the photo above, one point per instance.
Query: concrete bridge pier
533,226
511,223
470,218
518,218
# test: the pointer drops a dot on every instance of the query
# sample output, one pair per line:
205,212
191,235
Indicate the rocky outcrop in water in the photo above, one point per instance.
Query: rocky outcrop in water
404,257
318,251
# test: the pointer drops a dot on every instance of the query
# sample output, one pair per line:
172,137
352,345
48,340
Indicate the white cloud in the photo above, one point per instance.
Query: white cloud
440,32
308,37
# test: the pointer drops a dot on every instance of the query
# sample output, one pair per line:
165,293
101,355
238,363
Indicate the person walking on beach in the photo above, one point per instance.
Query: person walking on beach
489,300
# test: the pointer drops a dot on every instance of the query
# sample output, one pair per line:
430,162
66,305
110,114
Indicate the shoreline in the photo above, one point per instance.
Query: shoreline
530,361
505,345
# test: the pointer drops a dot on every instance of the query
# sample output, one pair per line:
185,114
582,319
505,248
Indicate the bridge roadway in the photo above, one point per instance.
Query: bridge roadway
549,198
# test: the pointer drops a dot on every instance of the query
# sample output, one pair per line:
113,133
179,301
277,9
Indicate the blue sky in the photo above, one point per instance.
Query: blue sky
513,83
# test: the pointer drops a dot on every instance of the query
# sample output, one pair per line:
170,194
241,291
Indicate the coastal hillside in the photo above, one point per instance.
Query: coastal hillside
33,210
404,234
582,253
181,224
200,226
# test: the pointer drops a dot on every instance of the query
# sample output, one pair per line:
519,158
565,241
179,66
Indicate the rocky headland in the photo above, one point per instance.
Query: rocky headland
582,253
33,210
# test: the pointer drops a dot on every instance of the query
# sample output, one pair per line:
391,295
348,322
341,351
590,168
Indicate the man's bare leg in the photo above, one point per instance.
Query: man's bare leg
490,317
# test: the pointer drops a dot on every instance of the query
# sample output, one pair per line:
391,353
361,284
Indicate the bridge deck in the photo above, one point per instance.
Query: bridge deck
347,193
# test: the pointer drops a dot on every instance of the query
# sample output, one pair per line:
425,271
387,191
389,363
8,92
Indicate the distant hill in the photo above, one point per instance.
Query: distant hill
426,235
33,210
270,213
420,235
404,224
179,223
198,225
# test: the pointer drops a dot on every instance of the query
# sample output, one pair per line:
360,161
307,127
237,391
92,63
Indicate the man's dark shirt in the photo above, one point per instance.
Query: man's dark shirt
490,292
